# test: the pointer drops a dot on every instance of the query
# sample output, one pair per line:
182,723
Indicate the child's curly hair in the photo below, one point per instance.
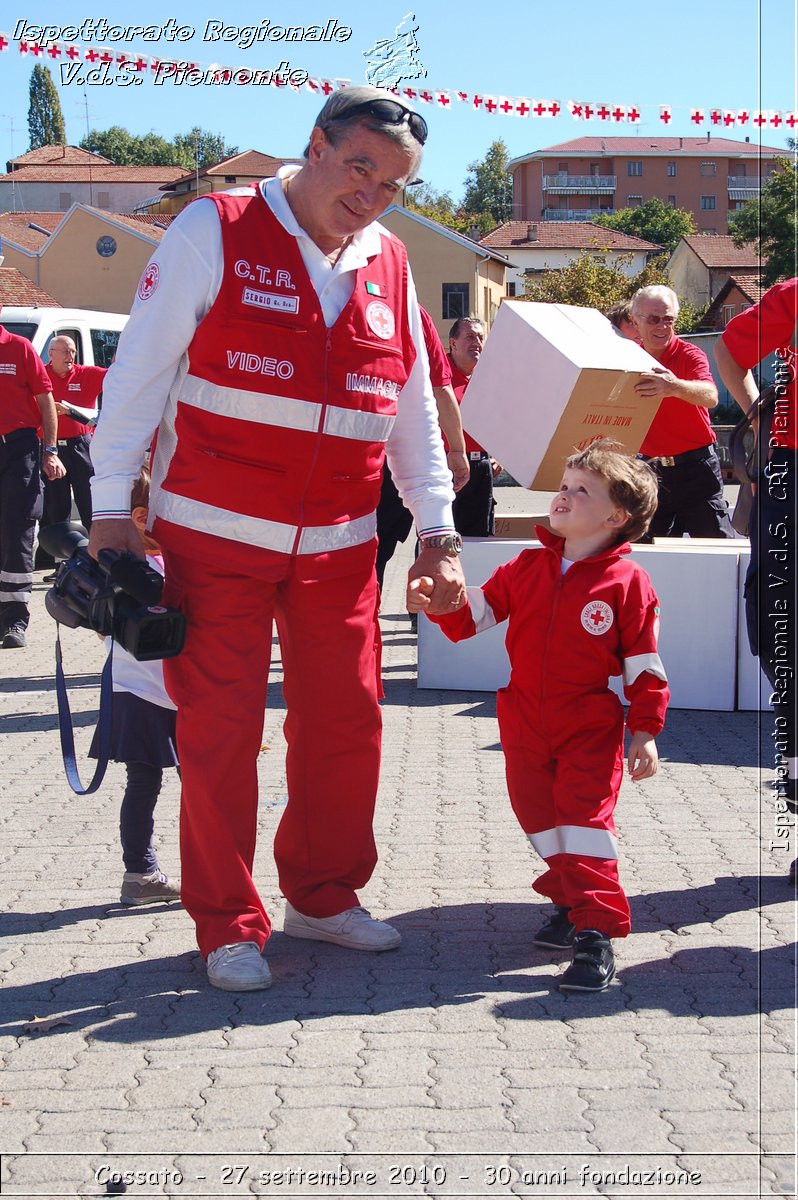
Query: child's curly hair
632,483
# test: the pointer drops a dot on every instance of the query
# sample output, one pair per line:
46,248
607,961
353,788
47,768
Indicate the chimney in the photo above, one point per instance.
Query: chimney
681,143
709,135
531,233
747,138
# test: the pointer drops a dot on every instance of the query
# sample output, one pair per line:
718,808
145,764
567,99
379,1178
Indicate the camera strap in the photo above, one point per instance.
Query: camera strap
65,723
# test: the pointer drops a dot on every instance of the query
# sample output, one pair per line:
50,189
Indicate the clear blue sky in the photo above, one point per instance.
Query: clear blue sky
685,53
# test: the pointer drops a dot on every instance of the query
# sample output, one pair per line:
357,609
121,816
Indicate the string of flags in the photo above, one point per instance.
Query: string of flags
524,107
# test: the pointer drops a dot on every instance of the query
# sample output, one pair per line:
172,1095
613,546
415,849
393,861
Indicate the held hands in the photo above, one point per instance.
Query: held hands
643,758
656,384
443,572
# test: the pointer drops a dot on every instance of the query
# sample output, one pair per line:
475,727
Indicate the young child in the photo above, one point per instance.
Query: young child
143,738
579,611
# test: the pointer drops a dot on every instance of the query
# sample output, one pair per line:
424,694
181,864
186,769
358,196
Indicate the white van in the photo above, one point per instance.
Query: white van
95,334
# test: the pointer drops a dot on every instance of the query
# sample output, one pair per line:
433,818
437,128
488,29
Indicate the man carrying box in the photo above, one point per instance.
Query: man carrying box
680,445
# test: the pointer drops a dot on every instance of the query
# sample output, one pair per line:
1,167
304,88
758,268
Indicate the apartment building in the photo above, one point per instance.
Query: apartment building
581,179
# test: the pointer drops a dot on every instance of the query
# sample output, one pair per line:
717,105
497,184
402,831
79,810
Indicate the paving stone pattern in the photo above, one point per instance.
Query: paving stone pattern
454,1055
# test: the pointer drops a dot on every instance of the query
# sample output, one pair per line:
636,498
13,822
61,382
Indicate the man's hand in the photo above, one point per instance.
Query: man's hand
460,468
496,468
59,408
643,758
53,467
118,535
448,584
654,385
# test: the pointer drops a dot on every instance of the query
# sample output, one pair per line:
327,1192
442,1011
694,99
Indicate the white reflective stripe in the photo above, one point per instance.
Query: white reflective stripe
575,839
236,527
259,407
269,535
481,611
285,412
5,596
318,539
361,426
638,663
16,577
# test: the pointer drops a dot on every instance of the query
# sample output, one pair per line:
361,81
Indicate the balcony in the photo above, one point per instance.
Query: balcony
574,214
580,185
743,187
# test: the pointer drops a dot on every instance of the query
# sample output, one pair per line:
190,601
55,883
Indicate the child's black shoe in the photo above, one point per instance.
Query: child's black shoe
558,933
593,963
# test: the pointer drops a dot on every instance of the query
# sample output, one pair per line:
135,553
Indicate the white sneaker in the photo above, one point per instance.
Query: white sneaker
238,967
354,928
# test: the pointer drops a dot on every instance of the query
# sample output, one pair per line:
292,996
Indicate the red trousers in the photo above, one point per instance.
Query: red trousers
563,784
325,609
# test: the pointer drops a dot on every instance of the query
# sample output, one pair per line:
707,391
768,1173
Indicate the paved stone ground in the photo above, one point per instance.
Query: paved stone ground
450,1067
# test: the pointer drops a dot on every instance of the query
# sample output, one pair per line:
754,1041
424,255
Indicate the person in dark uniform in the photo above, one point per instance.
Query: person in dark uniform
474,504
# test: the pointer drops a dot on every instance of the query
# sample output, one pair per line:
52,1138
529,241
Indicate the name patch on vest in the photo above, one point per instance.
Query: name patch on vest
372,385
259,364
8,368
270,300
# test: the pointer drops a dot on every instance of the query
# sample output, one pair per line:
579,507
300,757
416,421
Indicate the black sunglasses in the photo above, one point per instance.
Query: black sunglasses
391,112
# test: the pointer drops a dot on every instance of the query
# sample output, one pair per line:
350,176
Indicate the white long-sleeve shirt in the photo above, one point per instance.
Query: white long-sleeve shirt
152,359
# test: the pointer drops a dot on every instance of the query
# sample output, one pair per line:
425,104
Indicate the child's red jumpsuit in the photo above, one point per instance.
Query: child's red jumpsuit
561,726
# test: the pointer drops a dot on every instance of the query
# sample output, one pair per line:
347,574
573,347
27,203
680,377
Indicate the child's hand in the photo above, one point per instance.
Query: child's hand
643,758
418,593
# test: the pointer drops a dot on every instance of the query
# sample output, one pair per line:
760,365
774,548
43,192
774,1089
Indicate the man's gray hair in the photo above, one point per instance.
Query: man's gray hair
336,125
655,291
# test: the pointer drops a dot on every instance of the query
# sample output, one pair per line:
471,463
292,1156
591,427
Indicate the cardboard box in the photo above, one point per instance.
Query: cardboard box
552,378
516,525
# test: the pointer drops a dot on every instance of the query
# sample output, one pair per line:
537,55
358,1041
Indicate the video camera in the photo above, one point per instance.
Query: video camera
118,597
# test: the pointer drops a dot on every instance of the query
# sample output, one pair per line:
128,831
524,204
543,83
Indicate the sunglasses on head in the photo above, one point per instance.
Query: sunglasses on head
391,112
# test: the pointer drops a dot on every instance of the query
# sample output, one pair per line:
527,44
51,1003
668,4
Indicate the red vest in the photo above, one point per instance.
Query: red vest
280,424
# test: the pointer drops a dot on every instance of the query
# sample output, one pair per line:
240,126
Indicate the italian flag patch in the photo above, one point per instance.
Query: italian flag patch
374,289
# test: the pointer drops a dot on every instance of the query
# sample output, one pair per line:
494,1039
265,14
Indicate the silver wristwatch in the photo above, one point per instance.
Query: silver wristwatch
451,542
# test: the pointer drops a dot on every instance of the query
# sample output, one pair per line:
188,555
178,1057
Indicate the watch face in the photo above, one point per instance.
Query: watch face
106,246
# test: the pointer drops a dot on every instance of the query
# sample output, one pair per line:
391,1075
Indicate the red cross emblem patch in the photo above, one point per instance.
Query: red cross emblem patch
380,320
597,617
149,281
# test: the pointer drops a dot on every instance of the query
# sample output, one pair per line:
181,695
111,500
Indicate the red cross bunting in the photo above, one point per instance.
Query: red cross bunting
106,57
507,107
91,56
576,111
477,101
462,95
775,120
3,43
410,94
665,115
539,108
36,50
140,64
427,97
443,98
697,116
554,108
729,118
791,119
603,113
490,104
522,108
742,116
54,51
588,111
760,119
633,114
618,113
72,52
716,116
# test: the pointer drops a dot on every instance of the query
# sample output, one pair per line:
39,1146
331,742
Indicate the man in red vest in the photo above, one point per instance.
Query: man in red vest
275,346
26,404
79,386
680,443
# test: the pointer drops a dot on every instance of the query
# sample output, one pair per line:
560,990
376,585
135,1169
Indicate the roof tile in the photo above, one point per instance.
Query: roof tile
562,235
16,288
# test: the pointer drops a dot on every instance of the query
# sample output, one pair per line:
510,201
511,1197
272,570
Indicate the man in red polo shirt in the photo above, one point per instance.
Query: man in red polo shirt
680,445
770,585
474,504
25,403
78,385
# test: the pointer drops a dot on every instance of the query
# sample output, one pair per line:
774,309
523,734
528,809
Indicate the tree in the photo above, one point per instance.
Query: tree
591,280
769,222
127,149
201,148
489,186
655,221
45,119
